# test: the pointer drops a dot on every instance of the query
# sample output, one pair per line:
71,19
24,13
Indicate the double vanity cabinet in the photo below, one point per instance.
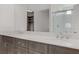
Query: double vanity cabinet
11,45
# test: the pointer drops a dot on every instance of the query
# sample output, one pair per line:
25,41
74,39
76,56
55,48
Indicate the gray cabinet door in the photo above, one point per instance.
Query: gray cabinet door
61,50
64,50
4,45
8,44
11,45
38,47
51,49
14,46
21,46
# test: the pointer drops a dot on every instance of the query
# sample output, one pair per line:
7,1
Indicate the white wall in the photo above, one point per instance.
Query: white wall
12,18
20,18
6,17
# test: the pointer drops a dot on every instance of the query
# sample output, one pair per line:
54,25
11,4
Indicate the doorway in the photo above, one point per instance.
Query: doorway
30,21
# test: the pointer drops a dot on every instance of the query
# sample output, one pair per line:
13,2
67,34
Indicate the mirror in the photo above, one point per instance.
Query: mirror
40,17
53,18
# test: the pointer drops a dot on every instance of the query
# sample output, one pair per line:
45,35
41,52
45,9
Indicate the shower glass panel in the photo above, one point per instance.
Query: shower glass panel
61,18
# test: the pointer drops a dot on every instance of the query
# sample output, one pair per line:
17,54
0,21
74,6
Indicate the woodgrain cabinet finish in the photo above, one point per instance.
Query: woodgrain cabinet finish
4,45
62,50
37,47
20,50
35,52
21,43
21,46
11,45
0,44
14,45
51,49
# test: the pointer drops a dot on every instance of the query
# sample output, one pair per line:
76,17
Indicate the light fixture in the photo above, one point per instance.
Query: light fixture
69,12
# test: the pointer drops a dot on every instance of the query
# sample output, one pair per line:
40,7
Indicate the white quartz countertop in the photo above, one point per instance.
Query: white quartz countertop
42,37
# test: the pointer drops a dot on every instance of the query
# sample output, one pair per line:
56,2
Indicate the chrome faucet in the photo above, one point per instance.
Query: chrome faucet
61,36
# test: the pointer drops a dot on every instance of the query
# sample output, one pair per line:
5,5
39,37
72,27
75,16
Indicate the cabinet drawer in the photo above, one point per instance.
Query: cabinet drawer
62,50
8,41
21,43
39,47
4,45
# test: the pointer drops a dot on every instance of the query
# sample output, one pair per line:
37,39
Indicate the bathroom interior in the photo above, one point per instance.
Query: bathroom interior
39,29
